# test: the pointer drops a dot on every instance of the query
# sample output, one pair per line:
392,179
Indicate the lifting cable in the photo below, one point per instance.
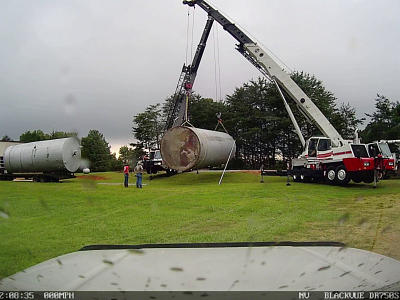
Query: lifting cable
187,35
215,66
188,31
187,63
219,67
191,45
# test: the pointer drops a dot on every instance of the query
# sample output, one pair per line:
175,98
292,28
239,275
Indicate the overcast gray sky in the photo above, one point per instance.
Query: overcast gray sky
93,64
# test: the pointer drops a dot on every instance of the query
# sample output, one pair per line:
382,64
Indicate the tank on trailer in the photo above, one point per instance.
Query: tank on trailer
58,158
184,148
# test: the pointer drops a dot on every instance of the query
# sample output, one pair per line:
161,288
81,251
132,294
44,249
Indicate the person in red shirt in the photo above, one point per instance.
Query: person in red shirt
126,174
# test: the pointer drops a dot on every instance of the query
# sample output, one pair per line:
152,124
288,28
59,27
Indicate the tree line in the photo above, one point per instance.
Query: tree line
38,135
254,114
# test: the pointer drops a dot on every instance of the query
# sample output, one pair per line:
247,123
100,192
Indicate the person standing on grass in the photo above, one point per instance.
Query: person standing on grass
139,174
126,174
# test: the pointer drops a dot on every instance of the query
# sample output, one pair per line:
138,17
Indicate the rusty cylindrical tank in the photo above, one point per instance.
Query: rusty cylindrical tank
184,148
44,156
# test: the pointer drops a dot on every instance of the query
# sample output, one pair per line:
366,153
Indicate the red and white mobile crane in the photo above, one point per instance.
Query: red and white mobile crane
329,157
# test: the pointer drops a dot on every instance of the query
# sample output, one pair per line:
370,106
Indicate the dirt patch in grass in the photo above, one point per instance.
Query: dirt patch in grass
92,177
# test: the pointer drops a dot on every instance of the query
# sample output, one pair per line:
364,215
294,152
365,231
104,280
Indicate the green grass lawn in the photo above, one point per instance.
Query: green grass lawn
39,221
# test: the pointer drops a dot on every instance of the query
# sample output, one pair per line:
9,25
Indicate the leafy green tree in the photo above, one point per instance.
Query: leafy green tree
39,135
346,121
385,121
166,107
33,136
61,134
126,154
148,126
253,119
343,118
96,149
115,163
138,152
5,138
203,112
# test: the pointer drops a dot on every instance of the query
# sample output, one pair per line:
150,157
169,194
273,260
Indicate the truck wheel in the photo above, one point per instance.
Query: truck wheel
305,178
342,176
170,172
356,178
368,177
331,175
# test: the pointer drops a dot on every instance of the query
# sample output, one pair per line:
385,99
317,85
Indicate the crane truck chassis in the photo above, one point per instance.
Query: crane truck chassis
339,165
330,157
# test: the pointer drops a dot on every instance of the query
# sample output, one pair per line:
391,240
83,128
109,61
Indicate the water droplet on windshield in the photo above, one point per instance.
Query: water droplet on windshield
283,286
106,261
324,268
136,251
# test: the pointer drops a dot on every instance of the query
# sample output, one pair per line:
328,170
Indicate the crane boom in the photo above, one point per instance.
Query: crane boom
273,71
178,112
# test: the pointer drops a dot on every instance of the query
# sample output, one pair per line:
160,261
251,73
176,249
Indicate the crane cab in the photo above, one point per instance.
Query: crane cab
385,160
375,149
318,147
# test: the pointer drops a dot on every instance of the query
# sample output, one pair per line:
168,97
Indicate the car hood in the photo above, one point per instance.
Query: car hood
211,267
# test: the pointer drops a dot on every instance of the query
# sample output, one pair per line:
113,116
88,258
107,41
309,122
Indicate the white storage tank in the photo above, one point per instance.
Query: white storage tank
44,156
184,148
